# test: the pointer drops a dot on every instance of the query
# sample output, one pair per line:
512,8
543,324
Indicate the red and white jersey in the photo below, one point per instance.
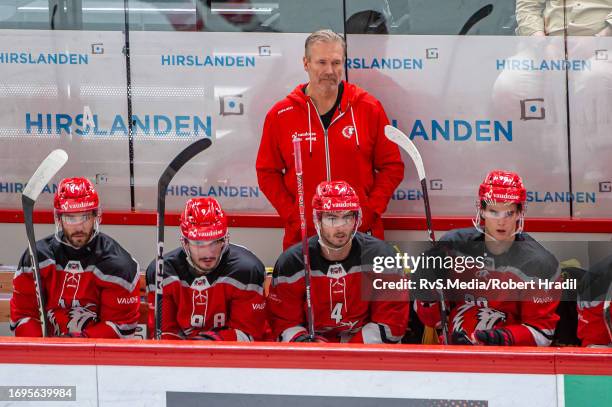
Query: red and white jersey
93,290
594,305
229,300
344,309
528,314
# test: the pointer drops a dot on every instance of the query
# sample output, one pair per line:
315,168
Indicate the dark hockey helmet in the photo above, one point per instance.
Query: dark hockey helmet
75,195
203,219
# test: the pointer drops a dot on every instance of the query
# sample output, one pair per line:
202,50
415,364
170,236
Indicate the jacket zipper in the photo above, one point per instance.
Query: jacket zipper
327,160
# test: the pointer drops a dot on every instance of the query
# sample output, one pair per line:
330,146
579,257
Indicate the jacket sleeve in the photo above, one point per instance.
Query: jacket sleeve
529,16
271,168
247,311
25,318
119,307
388,166
285,305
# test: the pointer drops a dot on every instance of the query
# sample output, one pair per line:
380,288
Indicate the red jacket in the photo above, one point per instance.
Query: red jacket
358,152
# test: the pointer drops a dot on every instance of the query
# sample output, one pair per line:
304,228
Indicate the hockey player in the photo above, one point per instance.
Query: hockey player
340,259
89,281
594,314
496,317
212,289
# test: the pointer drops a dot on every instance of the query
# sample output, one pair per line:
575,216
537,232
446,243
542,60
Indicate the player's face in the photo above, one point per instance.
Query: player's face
78,227
325,65
337,227
500,220
206,254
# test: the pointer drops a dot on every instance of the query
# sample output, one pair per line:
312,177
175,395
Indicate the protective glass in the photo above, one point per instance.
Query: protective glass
75,219
493,214
212,244
331,219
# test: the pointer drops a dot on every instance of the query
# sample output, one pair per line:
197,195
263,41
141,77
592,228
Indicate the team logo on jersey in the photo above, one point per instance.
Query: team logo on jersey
348,132
79,318
73,266
349,325
480,318
200,284
336,271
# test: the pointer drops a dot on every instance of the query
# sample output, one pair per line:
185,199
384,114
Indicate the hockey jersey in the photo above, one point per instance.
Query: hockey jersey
594,303
92,291
529,314
345,308
229,300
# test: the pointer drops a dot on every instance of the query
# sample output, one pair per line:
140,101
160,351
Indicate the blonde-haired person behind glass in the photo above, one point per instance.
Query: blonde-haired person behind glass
549,17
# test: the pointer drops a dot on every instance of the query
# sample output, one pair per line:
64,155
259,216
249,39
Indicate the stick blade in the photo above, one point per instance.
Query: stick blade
402,140
44,173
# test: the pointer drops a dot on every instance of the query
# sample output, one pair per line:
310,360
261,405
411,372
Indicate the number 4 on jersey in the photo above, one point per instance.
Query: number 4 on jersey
336,313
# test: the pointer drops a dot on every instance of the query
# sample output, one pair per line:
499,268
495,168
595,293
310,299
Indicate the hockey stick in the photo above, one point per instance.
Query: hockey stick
475,18
162,185
300,191
41,177
480,14
399,138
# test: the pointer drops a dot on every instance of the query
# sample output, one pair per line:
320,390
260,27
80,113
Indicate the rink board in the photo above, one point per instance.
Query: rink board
174,373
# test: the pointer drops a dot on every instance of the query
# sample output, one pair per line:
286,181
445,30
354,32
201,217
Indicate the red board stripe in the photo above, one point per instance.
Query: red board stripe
307,356
247,220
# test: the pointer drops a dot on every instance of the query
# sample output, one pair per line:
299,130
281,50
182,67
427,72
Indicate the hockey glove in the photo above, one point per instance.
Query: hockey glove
207,336
495,337
459,338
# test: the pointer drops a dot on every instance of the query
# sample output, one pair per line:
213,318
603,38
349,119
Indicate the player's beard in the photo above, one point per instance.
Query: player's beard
207,264
78,238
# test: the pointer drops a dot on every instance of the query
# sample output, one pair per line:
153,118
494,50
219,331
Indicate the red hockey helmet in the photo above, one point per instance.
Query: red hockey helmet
331,196
203,219
502,187
75,195
335,196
